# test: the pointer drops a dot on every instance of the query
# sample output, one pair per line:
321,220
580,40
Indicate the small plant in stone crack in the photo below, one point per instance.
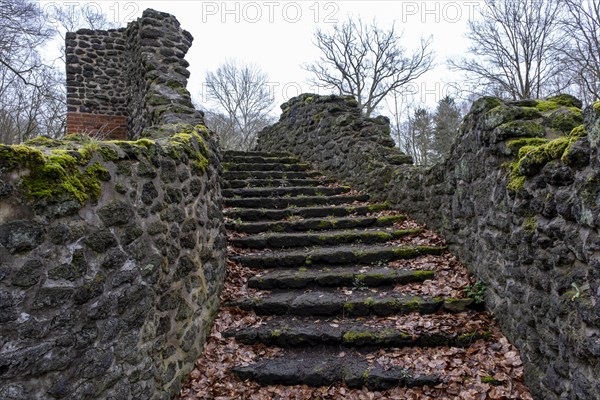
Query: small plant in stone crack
359,282
476,291
577,292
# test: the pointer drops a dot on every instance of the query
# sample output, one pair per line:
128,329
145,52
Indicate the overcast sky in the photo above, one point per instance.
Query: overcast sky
278,35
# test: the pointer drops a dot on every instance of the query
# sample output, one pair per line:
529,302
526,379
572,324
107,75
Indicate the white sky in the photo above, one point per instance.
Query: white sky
277,35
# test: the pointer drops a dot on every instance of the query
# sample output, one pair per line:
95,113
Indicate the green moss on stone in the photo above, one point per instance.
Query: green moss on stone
530,224
59,176
520,128
516,144
20,155
414,304
44,141
190,143
353,336
324,224
389,219
534,154
423,274
108,152
565,120
276,333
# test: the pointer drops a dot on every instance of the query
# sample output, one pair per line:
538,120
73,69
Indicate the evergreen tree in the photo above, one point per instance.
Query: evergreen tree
446,122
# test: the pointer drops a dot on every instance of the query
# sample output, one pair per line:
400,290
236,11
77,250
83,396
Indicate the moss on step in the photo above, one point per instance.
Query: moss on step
377,207
390,219
423,274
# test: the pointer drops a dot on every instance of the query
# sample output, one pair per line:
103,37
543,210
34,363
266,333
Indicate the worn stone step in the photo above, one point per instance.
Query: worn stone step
336,302
265,167
286,191
356,276
282,202
237,175
235,153
289,332
261,214
339,255
264,159
327,238
324,367
250,183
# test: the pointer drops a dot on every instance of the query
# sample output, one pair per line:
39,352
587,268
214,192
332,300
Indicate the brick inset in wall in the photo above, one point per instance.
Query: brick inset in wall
99,125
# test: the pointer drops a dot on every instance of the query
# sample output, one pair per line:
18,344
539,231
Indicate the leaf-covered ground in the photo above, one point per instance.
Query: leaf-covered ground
487,369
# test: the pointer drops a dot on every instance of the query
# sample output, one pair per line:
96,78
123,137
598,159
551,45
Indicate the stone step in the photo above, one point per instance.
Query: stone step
237,175
322,256
261,214
356,276
249,183
283,202
328,238
324,367
264,159
265,167
336,302
235,153
287,191
288,332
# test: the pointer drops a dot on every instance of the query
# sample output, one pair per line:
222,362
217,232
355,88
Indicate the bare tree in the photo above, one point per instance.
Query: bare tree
581,26
241,93
72,16
366,62
22,30
225,128
515,46
32,89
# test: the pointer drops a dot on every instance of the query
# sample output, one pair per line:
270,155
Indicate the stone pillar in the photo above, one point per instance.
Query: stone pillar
126,83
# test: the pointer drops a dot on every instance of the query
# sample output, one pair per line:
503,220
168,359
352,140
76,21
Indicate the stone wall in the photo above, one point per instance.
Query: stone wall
111,264
518,200
126,83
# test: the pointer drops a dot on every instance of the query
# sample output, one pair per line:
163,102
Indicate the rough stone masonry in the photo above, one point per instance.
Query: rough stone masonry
123,83
112,252
518,200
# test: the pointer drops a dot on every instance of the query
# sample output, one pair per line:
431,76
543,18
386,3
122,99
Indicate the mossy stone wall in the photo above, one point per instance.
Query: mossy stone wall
518,200
111,264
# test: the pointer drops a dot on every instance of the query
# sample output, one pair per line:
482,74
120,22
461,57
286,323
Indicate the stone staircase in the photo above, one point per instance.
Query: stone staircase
338,283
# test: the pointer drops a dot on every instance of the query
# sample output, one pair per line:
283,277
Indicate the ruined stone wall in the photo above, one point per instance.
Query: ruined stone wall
126,83
111,264
518,200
